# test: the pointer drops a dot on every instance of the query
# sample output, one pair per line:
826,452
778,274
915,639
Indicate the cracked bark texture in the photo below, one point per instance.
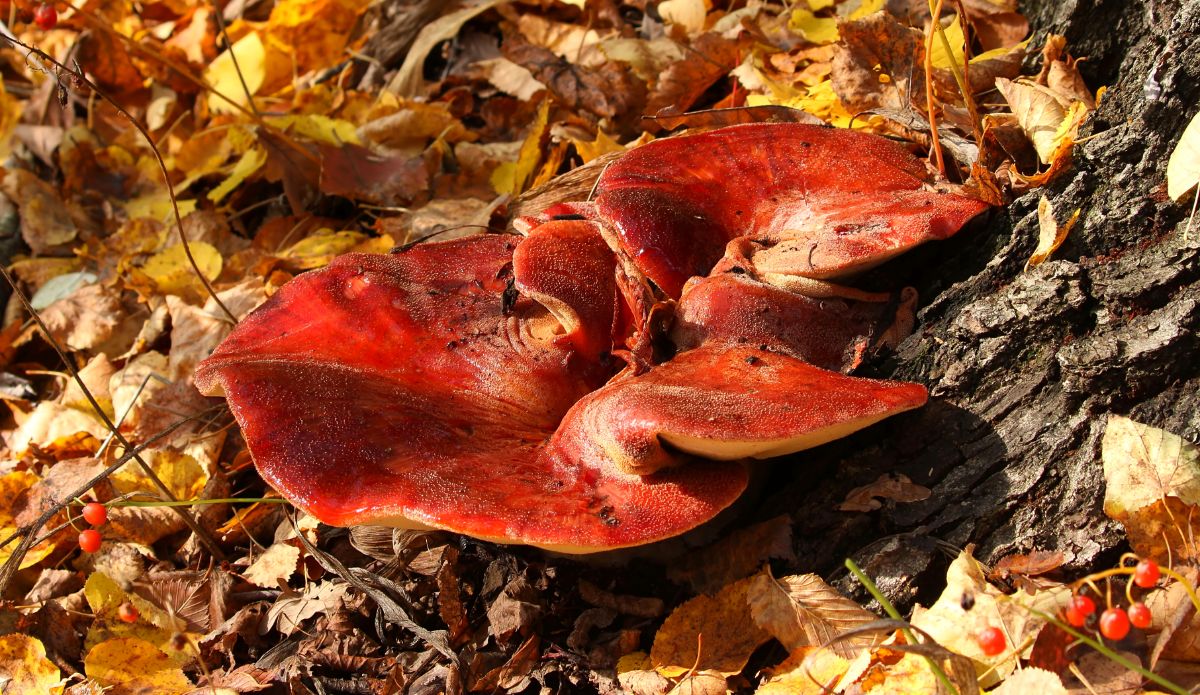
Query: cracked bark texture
1024,366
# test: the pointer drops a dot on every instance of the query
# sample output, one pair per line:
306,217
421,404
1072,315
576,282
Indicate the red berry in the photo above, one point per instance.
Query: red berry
1075,618
1114,623
45,16
127,612
95,513
991,640
90,540
1146,574
1084,605
1139,615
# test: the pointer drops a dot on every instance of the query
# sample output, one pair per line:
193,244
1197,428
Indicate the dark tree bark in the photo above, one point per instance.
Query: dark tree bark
1025,366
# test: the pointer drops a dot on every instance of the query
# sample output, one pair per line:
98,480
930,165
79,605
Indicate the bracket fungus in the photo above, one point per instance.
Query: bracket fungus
601,380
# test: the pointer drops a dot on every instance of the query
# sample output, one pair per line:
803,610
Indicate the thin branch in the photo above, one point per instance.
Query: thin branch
162,165
195,526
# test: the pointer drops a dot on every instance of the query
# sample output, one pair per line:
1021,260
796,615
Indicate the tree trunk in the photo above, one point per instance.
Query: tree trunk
1024,366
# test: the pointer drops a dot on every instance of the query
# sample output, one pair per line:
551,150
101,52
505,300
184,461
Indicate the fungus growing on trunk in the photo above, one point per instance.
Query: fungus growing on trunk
502,387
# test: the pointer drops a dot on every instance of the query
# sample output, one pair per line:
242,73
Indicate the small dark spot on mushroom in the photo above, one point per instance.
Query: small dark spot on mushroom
568,218
763,347
752,360
737,270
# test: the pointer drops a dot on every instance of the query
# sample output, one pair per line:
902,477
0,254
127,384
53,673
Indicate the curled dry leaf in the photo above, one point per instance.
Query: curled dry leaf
889,486
45,222
1051,235
1152,487
1039,111
291,609
85,319
806,671
804,611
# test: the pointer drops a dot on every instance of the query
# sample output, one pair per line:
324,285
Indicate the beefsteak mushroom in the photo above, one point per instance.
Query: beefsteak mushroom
506,387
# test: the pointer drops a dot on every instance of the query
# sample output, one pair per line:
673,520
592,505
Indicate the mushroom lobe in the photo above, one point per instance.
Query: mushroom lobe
820,202
396,390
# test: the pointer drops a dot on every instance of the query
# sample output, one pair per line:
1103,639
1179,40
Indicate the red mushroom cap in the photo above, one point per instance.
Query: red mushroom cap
823,202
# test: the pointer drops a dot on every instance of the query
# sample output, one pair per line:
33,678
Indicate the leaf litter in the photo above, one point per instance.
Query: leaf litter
306,129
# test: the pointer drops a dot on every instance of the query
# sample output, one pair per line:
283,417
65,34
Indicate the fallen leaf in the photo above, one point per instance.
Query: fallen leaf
53,427
1050,234
1039,111
172,273
1183,168
735,556
687,14
24,667
274,566
713,633
130,666
804,611
1032,680
878,64
513,178
222,75
85,319
45,222
889,486
636,674
291,609
407,80
951,624
806,671
14,488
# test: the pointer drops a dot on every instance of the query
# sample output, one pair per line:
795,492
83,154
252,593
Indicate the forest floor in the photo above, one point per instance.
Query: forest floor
156,190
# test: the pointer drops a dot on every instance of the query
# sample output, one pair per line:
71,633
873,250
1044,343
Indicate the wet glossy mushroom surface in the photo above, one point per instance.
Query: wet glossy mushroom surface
505,387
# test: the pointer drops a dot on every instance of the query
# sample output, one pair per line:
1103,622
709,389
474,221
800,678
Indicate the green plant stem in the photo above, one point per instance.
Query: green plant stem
188,503
895,615
1110,654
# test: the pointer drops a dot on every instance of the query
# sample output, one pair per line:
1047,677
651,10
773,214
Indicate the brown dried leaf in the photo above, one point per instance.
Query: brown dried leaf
804,611
628,605
45,222
130,666
710,58
738,554
24,667
713,633
896,487
357,173
879,64
1039,111
806,671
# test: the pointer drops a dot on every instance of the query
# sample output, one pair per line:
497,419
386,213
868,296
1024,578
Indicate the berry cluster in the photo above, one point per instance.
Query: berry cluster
1115,621
95,514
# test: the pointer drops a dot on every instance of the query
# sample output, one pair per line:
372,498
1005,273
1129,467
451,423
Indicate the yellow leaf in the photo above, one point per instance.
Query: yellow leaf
954,36
514,177
303,35
250,162
222,76
331,131
806,671
813,28
181,473
157,206
1143,464
1183,168
173,274
23,664
1050,234
1039,113
154,625
132,666
719,626
866,7
955,628
12,488
10,113
818,5
320,248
